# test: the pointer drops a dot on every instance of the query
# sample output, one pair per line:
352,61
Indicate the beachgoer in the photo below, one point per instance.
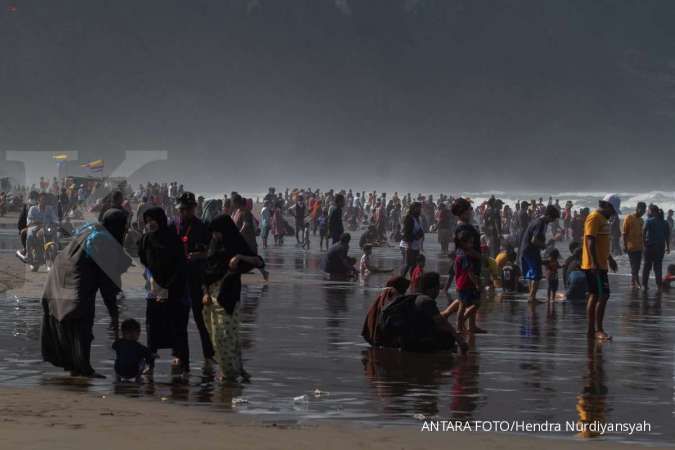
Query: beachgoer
322,224
195,237
443,220
419,325
366,266
229,256
299,211
574,279
337,263
335,227
265,222
413,235
656,236
278,223
534,240
670,277
467,283
552,267
596,261
93,261
131,357
39,217
633,242
395,287
167,310
417,273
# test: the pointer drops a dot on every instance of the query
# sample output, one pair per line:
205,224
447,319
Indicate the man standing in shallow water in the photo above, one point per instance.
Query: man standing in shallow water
596,262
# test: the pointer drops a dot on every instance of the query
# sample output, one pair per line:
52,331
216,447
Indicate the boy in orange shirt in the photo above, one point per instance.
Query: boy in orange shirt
633,243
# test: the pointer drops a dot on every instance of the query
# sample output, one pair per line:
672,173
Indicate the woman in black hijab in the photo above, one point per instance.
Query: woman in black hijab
229,257
93,261
167,312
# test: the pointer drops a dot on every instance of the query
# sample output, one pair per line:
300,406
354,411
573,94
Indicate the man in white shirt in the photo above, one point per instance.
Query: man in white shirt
39,216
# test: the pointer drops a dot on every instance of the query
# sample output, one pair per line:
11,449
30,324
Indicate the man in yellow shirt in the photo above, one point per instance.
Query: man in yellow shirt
596,262
633,242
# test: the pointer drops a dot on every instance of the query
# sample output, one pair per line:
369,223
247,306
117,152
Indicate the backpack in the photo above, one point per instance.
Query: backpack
396,322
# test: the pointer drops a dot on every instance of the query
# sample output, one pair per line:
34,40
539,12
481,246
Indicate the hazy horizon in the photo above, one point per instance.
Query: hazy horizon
428,95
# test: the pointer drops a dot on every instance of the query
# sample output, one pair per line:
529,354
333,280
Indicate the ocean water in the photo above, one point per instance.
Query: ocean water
664,199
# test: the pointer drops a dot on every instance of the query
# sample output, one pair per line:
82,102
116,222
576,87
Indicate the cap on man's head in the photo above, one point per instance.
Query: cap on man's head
613,200
187,200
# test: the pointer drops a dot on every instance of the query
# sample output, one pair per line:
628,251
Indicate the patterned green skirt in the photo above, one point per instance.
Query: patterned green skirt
223,329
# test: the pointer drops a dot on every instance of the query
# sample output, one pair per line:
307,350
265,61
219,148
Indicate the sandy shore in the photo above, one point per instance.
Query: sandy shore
44,418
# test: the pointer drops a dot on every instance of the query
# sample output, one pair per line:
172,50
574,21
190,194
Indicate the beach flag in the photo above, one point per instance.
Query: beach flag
95,166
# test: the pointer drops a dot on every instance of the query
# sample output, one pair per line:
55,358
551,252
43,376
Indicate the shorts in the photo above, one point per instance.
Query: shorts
598,282
469,297
531,267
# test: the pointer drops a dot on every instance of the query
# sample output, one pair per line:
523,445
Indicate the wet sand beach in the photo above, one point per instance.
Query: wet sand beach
53,419
313,373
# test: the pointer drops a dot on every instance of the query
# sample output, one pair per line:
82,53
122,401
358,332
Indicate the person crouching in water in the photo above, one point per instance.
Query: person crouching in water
131,357
433,332
395,287
337,262
467,283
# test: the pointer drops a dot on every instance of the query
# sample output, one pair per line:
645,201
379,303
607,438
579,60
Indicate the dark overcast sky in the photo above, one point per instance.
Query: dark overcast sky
432,95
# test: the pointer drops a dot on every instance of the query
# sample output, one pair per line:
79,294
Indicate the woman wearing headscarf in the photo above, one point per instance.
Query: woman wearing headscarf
211,209
395,287
168,309
229,257
93,261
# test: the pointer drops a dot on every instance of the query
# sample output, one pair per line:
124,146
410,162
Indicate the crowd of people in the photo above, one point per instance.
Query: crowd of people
189,266
194,250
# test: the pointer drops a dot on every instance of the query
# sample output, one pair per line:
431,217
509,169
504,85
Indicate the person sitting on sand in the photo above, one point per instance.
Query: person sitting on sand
131,357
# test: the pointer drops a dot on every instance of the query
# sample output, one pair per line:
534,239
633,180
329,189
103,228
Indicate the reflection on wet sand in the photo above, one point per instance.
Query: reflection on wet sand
397,377
301,332
336,310
592,401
